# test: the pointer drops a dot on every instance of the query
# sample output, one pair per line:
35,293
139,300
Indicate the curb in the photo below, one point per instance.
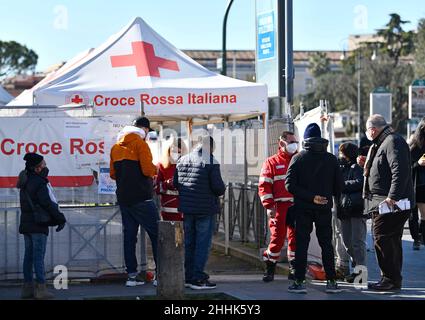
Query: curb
249,257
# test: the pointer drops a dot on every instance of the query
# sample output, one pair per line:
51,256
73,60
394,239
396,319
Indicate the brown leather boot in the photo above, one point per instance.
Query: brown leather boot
41,293
27,291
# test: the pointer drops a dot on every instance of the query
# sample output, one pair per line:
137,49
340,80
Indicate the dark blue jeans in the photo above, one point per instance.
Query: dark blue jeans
198,232
146,215
35,249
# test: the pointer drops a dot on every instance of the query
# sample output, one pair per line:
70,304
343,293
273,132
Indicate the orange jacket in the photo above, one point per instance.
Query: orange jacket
132,168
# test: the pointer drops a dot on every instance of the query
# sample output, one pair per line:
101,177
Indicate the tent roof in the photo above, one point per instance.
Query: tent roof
137,61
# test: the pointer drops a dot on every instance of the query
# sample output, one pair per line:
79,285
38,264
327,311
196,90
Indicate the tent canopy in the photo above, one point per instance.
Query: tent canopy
137,68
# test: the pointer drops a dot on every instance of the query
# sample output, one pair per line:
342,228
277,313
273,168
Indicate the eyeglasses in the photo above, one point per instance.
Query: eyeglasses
288,142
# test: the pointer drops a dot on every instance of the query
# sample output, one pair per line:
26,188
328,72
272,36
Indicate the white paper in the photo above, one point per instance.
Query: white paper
403,204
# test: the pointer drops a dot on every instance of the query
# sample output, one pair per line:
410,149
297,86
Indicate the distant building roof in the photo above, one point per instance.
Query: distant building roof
250,54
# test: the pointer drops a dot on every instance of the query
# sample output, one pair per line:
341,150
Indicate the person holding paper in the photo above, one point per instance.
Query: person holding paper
388,179
314,178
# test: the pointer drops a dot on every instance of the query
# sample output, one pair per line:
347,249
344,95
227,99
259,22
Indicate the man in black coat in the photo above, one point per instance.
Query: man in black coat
388,179
313,178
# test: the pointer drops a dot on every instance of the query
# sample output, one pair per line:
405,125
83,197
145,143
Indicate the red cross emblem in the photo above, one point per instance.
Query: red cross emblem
76,98
145,60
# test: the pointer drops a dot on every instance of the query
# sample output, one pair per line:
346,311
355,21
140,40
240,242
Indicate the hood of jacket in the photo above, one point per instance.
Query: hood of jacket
128,134
316,144
22,179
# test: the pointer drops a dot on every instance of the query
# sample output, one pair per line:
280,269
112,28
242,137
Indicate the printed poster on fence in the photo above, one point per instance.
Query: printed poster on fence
106,184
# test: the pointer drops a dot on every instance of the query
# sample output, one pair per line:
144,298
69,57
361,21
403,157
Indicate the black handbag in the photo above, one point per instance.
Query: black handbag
41,216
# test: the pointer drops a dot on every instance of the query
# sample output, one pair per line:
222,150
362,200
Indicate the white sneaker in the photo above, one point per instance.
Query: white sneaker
134,282
155,283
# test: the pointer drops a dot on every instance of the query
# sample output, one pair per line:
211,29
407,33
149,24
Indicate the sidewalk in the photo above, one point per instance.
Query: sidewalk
239,276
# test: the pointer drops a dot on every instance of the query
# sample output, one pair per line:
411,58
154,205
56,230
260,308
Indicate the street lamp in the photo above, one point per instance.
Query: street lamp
359,94
224,53
358,69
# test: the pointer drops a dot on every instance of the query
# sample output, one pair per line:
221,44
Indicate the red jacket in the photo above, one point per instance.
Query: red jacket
168,193
271,188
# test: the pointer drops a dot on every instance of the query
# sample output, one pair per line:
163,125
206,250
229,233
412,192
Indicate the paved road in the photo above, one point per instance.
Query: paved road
237,279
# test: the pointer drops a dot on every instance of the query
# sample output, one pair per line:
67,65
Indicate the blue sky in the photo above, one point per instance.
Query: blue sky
58,30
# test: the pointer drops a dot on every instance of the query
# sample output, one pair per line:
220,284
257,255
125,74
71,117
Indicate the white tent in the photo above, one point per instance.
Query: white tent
5,97
138,66
134,68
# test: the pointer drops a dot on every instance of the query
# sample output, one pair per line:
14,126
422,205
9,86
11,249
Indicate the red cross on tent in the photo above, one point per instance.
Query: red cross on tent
145,60
77,99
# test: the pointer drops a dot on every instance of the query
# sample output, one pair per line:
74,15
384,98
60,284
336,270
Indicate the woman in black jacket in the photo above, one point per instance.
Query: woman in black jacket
35,190
350,207
417,151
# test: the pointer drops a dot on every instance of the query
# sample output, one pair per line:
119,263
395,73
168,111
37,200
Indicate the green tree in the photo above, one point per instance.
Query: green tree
16,58
319,64
397,42
340,87
420,51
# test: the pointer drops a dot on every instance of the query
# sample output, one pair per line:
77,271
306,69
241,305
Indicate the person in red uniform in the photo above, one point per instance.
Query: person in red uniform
164,181
276,199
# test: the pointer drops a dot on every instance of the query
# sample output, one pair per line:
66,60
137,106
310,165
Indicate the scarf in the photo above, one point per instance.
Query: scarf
371,156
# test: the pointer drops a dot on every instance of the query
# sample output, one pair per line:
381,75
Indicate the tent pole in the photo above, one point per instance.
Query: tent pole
161,140
226,216
266,134
189,134
142,108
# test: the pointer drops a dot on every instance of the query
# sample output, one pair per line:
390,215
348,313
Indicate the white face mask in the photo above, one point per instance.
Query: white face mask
291,148
368,135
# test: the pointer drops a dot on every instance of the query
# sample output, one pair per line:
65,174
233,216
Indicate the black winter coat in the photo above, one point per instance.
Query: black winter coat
418,172
36,187
198,180
351,203
390,174
314,172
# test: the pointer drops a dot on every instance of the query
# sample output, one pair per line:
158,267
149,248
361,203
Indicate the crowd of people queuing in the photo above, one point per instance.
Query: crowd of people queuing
298,187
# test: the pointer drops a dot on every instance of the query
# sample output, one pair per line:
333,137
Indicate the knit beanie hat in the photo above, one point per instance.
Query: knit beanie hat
312,131
32,160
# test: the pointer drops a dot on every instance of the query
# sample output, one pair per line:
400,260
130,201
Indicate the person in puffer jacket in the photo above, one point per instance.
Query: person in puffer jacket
198,180
132,168
35,190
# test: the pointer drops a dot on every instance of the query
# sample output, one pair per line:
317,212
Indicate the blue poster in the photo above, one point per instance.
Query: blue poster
266,36
106,184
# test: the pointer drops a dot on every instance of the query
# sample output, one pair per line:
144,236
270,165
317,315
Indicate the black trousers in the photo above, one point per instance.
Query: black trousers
322,220
387,233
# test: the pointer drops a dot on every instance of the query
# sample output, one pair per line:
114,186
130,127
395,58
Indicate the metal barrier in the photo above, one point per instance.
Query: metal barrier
246,217
91,245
